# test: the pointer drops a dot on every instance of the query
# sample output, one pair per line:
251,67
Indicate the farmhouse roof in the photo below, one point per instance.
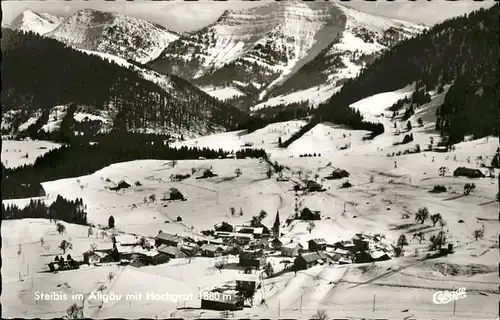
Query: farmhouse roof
168,237
169,250
313,256
318,241
292,245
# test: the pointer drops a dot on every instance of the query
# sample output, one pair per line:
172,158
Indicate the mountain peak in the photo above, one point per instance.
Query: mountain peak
37,22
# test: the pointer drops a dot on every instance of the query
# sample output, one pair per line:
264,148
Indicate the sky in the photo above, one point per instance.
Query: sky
188,16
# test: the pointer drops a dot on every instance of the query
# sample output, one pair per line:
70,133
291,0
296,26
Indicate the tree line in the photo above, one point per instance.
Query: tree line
71,211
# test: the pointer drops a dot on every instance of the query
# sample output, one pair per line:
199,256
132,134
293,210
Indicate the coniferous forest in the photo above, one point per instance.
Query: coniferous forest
39,73
461,51
62,209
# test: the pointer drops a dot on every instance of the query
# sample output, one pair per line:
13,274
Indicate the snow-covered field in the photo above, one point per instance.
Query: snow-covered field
18,153
402,288
222,93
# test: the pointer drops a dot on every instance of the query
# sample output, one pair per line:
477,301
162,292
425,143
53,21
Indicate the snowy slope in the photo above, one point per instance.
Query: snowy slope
113,33
38,22
363,38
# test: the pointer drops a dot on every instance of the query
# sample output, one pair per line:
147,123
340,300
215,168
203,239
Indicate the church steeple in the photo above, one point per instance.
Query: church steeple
276,225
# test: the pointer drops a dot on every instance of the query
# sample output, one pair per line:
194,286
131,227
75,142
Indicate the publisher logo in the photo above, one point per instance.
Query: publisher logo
443,297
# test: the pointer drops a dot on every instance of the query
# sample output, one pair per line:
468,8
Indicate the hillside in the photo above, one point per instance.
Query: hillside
89,93
113,33
255,50
470,106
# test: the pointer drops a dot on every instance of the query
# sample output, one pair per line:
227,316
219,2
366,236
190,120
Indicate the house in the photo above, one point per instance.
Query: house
121,185
345,245
308,260
363,257
224,227
275,243
242,238
380,256
291,249
208,250
252,258
247,281
171,252
361,243
318,244
468,172
207,174
256,232
154,257
338,174
90,257
307,214
220,302
313,186
167,239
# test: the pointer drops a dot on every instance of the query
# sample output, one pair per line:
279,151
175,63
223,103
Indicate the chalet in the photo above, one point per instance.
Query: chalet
361,242
252,258
291,249
90,257
258,244
172,252
243,238
207,174
256,232
307,214
317,244
167,239
247,281
208,250
221,302
338,174
468,172
308,260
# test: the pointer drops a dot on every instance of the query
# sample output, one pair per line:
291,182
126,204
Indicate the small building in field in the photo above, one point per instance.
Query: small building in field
252,258
313,186
212,251
90,257
380,256
220,302
291,249
338,174
318,244
310,259
468,172
167,239
307,214
247,281
171,252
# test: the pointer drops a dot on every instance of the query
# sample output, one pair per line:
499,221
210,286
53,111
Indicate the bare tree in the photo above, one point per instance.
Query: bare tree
42,242
232,210
93,247
402,241
19,250
442,171
320,315
435,218
478,234
422,215
310,226
65,246
238,172
468,188
90,232
219,266
111,276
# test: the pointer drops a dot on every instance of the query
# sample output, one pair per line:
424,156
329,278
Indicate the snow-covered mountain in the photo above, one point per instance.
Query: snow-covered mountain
113,33
258,49
38,22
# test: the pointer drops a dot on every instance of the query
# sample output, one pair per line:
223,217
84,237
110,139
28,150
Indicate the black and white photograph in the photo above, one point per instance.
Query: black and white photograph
250,159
